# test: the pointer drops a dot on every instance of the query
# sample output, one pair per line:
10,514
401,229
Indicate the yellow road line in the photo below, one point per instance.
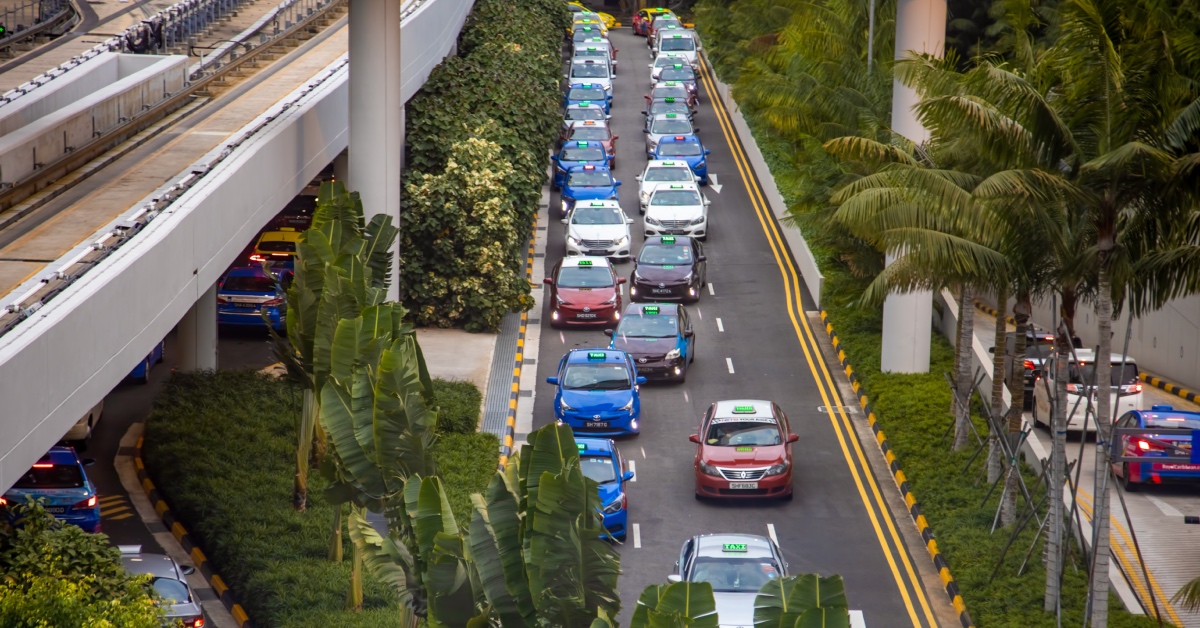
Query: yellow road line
794,305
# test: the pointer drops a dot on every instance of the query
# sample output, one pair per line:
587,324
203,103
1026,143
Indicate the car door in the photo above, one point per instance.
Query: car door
685,557
785,428
701,265
685,324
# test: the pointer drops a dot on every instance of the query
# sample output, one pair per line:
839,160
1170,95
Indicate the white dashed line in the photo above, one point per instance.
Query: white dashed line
729,363
562,337
771,533
710,290
685,397
699,314
633,469
1167,509
637,536
643,452
720,327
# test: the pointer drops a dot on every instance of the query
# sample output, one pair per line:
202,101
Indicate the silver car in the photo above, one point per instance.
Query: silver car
169,581
737,566
664,125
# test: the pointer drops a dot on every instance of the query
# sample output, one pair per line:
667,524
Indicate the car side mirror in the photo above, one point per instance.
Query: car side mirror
646,131
638,178
701,258
621,280
793,438
187,569
552,380
627,476
87,462
616,137
643,112
641,379
688,333
991,349
707,202
609,332
563,220
566,77
650,65
608,117
617,183
706,151
628,220
695,129
548,281
695,438
674,578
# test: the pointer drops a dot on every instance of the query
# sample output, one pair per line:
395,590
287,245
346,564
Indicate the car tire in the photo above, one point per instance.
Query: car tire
699,497
145,378
1127,484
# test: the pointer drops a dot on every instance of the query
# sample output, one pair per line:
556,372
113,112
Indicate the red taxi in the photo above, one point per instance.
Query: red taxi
584,291
743,450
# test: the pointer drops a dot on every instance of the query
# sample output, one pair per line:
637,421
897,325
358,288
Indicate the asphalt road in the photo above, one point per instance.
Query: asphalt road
833,525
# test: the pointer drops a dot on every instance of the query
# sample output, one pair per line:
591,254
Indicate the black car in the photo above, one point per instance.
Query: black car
1039,345
659,338
668,268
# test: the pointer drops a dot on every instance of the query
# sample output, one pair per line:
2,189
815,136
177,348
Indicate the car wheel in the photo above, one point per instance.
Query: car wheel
699,497
1127,484
145,378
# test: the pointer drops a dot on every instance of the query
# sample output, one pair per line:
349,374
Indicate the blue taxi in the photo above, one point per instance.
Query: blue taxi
588,183
596,392
577,154
685,148
244,295
59,481
588,93
1151,446
658,337
600,461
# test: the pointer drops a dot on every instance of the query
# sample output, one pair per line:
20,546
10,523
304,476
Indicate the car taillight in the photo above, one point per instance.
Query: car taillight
195,622
257,258
222,299
1130,389
272,302
1029,365
3,502
1147,446
87,503
1074,388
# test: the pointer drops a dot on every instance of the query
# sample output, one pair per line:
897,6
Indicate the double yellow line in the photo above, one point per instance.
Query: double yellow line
907,581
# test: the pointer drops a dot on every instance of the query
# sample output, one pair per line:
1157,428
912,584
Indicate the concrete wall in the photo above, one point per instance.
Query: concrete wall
430,32
111,90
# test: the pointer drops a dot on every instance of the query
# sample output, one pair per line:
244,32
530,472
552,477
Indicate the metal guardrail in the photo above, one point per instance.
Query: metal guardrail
280,21
31,18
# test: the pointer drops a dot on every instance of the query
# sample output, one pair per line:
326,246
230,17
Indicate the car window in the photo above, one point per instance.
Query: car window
668,174
52,476
742,432
669,91
587,153
662,106
672,126
171,590
589,70
584,35
675,198
599,468
679,149
659,254
648,326
277,246
591,51
1039,349
586,93
596,377
253,283
589,133
673,44
664,61
597,216
1172,421
746,575
590,113
682,73
1086,374
589,178
584,277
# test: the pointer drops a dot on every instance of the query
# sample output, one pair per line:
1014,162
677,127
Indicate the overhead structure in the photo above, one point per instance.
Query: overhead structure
907,318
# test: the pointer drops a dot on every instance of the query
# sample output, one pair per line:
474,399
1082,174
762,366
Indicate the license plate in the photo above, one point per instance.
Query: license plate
586,315
742,485
56,510
596,424
245,306
675,232
597,253
660,290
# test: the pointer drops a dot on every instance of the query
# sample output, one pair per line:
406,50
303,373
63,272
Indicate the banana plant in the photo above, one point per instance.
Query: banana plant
679,604
803,601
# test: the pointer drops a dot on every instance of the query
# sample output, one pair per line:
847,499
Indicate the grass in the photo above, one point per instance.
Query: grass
220,448
459,404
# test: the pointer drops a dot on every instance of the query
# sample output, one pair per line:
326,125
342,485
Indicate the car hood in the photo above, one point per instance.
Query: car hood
609,492
730,456
735,609
652,273
599,232
586,296
644,346
596,400
650,187
590,193
674,212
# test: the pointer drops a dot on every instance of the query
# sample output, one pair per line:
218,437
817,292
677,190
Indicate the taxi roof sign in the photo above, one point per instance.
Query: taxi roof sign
585,262
672,115
589,167
589,122
586,103
591,47
733,547
676,186
678,36
668,239
580,446
650,309
743,410
668,163
597,204
596,355
678,138
678,66
581,144
670,99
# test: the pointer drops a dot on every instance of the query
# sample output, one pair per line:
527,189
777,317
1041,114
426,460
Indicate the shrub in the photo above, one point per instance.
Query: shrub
458,406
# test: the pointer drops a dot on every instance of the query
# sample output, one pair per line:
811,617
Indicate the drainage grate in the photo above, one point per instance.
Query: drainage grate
499,390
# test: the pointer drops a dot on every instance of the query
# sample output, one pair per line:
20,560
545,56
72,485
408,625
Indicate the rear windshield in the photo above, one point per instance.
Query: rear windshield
662,106
584,154
669,91
56,476
684,73
660,254
253,283
735,432
592,113
586,93
589,179
672,126
599,468
585,277
1086,375
1040,348
672,44
597,216
589,133
678,149
277,246
171,590
669,173
589,70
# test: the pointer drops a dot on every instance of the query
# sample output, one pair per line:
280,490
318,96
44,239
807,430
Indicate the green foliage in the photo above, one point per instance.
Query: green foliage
458,406
55,574
676,604
220,446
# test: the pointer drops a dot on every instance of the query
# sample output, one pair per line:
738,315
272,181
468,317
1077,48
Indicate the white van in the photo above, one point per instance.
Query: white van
1127,389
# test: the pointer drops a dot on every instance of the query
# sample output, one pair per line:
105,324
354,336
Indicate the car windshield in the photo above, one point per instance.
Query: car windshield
589,178
648,326
588,113
277,246
683,73
667,61
54,476
659,254
591,51
586,93
587,153
661,106
589,133
1086,375
675,198
676,44
668,173
589,70
585,277
171,590
596,377
672,126
741,432
253,283
599,468
665,21
597,216
679,149
669,91
584,34
746,575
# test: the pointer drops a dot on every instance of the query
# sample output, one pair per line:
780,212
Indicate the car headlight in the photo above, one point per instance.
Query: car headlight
778,469
708,469
573,240
628,407
700,164
623,241
651,221
616,506
653,143
566,205
673,354
561,301
563,405
611,300
699,221
689,277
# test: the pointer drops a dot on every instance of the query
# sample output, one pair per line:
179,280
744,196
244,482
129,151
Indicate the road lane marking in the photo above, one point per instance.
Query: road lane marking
699,314
637,536
712,183
847,439
685,397
633,470
720,327
771,533
710,290
729,363
1167,509
562,337
643,452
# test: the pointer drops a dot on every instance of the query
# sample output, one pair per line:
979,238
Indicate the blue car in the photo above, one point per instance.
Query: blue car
658,337
600,461
588,183
1151,446
577,154
687,148
60,482
245,293
596,391
141,372
590,93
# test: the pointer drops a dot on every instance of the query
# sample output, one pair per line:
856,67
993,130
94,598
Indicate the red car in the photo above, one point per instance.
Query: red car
584,291
743,450
642,19
594,131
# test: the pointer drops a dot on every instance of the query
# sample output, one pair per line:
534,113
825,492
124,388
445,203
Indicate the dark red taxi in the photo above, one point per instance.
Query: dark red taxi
743,449
584,291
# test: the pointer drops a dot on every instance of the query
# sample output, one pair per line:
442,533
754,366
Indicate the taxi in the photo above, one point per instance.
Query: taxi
598,229
584,94
276,246
670,104
595,71
743,449
595,48
660,22
600,460
642,19
596,391
594,130
1147,447
588,183
666,59
672,89
679,73
737,566
582,112
250,296
666,124
683,42
60,482
660,173
678,209
685,148
585,19
584,32
577,154
668,268
584,291
659,338
577,8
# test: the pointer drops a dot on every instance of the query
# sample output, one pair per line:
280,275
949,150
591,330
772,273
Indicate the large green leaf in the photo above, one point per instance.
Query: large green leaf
337,416
835,617
387,561
782,601
676,605
376,254
496,549
452,601
553,449
433,516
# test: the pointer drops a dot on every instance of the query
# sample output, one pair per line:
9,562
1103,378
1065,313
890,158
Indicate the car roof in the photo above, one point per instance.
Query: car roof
1089,355
583,356
730,409
680,185
573,261
608,202
247,271
596,445
599,124
60,455
281,235
1166,413
713,545
666,163
157,565
665,309
585,85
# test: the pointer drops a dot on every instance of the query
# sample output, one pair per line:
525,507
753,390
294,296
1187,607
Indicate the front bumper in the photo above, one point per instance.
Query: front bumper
660,369
669,292
616,524
769,486
614,252
607,424
574,315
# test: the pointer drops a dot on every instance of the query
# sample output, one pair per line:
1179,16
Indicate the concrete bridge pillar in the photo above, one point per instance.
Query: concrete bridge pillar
198,334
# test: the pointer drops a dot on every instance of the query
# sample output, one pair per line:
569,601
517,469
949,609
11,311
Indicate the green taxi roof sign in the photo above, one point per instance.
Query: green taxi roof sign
733,547
597,204
672,84
670,99
678,66
587,85
586,103
581,144
668,163
668,239
743,409
650,309
672,115
678,36
676,186
585,262
742,449
591,47
596,355
580,446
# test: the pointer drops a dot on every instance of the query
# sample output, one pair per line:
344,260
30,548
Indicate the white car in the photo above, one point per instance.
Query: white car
595,47
683,42
664,125
664,60
598,229
591,71
677,209
1127,387
659,173
79,433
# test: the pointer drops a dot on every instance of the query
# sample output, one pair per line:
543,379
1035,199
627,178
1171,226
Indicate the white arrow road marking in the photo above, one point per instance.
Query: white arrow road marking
771,533
637,536
712,183
633,469
1167,509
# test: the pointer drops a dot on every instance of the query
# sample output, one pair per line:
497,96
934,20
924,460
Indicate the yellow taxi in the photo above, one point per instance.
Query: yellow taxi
642,19
607,19
277,246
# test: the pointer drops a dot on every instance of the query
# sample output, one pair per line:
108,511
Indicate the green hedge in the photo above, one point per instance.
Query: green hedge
503,87
458,406
219,446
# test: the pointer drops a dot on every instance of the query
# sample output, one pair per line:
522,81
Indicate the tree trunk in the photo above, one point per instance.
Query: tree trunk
304,446
354,599
963,379
1103,392
1058,453
959,349
1016,389
994,466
